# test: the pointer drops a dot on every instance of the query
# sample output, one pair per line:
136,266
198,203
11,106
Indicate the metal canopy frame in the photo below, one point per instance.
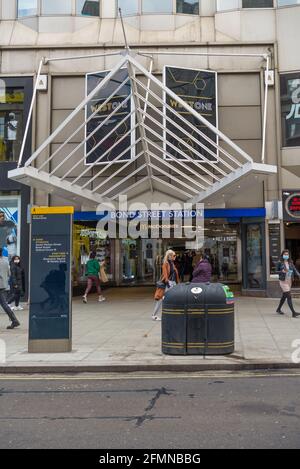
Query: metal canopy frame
194,177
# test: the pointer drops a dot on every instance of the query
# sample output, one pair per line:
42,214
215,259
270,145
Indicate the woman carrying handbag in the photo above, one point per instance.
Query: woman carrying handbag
168,280
287,272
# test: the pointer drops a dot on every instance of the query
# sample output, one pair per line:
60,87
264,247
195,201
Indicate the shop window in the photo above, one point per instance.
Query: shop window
254,256
10,225
87,7
11,121
188,7
290,109
27,8
87,239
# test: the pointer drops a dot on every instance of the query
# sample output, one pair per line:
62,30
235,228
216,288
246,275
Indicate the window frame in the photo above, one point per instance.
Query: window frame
45,15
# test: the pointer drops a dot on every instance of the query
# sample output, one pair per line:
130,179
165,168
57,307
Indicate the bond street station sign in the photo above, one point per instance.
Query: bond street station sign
198,88
291,206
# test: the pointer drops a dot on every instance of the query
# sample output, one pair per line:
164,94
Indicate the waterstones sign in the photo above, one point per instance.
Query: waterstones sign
198,88
109,120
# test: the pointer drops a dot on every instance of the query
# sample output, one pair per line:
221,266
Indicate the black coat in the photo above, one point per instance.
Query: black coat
16,276
281,267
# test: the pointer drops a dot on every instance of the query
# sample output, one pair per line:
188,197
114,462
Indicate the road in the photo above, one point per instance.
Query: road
161,411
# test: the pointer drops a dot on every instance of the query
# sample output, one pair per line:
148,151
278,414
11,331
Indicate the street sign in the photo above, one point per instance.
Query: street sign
50,280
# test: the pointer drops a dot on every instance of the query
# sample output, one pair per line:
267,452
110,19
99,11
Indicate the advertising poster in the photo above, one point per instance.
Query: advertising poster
113,144
198,88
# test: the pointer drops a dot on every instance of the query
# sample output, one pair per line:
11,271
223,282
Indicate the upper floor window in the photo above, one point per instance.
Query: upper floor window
27,8
223,5
87,7
136,7
58,7
258,3
190,7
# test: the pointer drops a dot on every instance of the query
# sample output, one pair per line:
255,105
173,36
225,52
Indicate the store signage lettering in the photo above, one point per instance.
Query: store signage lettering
290,104
198,89
109,136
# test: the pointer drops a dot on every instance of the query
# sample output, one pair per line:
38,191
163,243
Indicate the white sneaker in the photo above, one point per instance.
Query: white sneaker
155,318
12,307
84,299
101,298
19,308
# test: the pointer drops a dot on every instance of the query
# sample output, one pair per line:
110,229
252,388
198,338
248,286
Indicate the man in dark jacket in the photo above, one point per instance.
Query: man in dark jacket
4,274
202,271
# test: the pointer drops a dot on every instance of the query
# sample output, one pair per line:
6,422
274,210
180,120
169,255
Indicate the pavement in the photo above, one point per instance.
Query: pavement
119,335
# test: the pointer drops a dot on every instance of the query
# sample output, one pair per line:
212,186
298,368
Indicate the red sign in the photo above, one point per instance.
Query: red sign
292,205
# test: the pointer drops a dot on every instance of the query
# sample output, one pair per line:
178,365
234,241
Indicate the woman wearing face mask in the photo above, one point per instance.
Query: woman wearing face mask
16,282
287,272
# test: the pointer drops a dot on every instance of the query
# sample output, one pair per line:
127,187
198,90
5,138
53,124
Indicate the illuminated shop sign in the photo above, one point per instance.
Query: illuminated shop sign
198,89
291,205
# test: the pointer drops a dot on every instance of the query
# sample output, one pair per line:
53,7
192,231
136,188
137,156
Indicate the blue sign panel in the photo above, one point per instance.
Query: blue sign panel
50,276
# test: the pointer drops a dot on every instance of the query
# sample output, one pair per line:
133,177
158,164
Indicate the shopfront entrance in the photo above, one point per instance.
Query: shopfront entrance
133,262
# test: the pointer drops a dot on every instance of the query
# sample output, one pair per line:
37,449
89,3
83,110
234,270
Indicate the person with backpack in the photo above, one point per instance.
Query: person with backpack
92,271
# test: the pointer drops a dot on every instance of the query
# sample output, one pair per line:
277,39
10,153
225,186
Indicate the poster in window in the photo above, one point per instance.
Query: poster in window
197,88
108,137
290,109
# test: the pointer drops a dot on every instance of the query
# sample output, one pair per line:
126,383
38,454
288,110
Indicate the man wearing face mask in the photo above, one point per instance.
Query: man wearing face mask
287,272
16,281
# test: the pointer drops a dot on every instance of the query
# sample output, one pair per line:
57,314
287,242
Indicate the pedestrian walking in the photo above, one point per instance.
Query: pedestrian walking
92,271
203,270
287,272
16,283
168,280
4,276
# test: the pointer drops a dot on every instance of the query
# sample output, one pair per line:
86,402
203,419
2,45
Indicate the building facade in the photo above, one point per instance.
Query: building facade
245,228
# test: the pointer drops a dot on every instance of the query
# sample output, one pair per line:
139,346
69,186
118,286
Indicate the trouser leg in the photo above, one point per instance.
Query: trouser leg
6,308
282,301
290,302
17,297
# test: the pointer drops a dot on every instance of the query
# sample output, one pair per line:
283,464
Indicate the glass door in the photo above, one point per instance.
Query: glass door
254,256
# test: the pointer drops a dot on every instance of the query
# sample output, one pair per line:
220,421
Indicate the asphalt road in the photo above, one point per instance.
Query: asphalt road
165,412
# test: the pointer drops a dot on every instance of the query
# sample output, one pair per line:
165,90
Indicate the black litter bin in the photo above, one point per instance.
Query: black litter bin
198,319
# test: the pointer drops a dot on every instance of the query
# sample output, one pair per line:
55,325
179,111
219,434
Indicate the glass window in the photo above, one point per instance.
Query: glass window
11,121
10,225
189,7
56,7
282,3
290,109
27,8
86,239
157,6
87,7
258,3
129,7
254,258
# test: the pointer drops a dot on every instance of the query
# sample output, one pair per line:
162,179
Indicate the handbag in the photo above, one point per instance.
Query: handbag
102,275
161,285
